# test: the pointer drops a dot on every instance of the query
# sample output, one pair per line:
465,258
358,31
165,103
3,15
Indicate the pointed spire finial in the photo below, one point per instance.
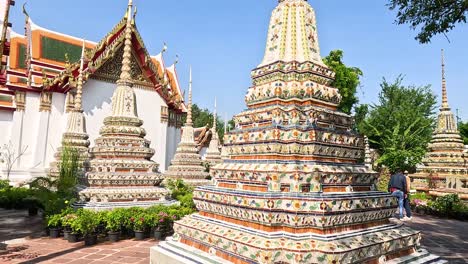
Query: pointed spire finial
225,123
189,110
25,12
176,59
215,116
79,86
445,104
164,49
125,74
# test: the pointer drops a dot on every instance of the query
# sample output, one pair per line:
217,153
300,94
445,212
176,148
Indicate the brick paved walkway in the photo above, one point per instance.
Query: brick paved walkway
443,237
45,250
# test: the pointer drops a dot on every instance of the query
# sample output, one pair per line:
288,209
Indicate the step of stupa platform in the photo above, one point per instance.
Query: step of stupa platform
323,212
462,193
284,172
173,252
241,242
187,161
121,153
102,206
124,194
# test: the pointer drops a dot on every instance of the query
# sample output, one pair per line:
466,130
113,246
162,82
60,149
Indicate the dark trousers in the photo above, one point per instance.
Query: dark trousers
406,204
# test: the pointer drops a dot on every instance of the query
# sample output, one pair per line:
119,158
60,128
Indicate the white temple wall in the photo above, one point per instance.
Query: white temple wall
149,110
6,120
170,146
58,123
29,131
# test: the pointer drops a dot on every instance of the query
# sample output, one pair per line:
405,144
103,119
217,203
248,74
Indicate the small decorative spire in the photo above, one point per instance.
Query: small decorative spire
445,104
225,123
177,59
125,75
215,117
164,49
189,110
79,86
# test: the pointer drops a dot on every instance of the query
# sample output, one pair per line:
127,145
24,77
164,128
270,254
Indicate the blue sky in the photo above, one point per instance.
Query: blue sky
225,40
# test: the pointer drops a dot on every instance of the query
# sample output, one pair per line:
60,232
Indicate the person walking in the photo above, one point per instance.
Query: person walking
397,186
406,202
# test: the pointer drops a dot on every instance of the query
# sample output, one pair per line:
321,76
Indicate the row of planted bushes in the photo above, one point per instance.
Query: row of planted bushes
120,222
446,206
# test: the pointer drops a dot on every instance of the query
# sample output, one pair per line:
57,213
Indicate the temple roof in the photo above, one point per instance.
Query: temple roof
292,34
50,60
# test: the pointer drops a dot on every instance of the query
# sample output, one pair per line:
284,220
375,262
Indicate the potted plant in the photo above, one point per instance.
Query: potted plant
86,224
32,204
114,222
140,223
128,215
54,222
71,232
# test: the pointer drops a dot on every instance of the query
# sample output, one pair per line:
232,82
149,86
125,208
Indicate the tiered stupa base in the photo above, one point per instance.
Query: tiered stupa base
211,241
173,252
248,233
75,139
110,198
186,164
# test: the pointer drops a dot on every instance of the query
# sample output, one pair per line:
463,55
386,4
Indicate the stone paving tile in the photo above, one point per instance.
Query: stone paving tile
45,250
443,237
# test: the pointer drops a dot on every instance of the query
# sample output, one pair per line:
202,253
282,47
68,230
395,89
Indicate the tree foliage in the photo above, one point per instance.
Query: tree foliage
346,80
432,17
400,125
463,127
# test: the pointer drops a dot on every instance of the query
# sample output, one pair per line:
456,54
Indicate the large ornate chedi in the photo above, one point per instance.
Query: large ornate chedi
444,169
187,164
294,188
121,172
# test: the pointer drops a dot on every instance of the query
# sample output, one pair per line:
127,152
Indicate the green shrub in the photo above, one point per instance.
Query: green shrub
12,198
446,203
382,181
115,219
140,221
420,196
4,184
69,219
86,223
54,221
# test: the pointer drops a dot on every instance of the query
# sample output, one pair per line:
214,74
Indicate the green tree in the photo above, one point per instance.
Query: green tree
463,127
360,114
400,125
346,80
431,17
